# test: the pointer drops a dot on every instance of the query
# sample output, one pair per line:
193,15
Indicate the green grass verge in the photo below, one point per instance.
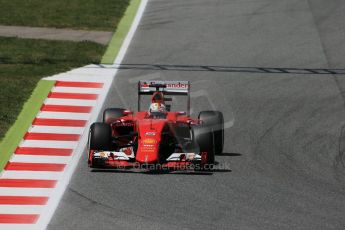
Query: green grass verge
24,120
121,32
77,14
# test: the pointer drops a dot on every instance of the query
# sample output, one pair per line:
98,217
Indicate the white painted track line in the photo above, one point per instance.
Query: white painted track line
63,115
131,32
89,73
77,90
21,209
56,129
37,175
17,226
54,101
49,144
25,191
39,159
93,70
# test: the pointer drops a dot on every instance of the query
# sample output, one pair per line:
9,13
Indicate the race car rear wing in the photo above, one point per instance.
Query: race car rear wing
149,87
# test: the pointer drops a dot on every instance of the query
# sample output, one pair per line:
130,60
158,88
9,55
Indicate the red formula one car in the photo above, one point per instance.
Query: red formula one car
157,138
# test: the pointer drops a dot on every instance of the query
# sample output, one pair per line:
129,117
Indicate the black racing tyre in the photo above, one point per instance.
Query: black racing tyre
214,120
111,114
202,138
100,136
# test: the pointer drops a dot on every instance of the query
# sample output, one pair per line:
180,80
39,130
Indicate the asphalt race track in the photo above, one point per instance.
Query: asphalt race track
286,137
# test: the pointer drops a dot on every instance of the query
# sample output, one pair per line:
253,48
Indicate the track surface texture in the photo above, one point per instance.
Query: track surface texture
285,147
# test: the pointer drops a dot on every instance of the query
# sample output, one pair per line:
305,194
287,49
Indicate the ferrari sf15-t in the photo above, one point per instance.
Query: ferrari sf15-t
166,139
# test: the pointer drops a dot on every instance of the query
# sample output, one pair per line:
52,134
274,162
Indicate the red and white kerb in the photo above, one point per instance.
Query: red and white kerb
40,160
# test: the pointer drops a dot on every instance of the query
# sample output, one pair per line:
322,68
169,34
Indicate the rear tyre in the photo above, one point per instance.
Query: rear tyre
100,136
111,114
203,139
215,121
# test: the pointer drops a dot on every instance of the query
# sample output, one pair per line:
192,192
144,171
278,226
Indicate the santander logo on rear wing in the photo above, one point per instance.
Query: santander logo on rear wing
169,87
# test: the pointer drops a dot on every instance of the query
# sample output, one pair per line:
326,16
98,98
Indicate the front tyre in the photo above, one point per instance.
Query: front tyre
202,138
100,136
99,139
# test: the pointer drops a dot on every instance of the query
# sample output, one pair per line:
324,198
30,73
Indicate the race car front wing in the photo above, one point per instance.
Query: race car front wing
121,160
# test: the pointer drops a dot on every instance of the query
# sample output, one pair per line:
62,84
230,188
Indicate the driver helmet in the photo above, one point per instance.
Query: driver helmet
157,97
157,108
